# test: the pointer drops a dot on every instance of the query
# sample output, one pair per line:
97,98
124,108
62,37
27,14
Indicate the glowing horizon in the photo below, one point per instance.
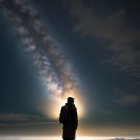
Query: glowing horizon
59,138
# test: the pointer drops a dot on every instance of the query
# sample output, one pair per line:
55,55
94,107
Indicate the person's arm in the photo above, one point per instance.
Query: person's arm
60,115
75,118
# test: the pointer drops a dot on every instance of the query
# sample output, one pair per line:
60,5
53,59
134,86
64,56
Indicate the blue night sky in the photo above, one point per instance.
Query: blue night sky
99,39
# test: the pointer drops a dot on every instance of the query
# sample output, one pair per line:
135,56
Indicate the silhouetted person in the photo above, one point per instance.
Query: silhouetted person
69,118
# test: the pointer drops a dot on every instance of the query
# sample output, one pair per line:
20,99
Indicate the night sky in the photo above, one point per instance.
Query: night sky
92,45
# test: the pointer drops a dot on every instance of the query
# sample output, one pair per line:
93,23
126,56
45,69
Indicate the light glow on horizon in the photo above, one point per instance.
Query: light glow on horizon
59,138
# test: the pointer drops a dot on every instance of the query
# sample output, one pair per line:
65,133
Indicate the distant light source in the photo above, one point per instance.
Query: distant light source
56,102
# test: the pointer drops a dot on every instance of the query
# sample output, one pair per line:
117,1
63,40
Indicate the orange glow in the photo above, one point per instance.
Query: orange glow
56,102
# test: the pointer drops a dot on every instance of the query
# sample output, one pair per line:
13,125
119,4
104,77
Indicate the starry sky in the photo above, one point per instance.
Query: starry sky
99,40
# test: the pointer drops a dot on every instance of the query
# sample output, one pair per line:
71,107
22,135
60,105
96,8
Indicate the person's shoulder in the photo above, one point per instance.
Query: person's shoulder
74,107
64,106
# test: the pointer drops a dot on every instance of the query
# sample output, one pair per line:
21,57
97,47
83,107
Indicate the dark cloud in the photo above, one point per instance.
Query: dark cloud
15,119
128,96
128,99
105,112
123,40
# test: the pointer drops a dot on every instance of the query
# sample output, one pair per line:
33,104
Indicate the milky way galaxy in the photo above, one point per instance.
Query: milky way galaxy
53,68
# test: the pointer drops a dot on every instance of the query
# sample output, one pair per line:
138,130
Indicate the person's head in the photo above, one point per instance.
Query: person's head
70,100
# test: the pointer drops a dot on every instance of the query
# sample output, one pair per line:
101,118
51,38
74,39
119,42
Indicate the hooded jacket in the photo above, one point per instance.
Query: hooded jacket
69,128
